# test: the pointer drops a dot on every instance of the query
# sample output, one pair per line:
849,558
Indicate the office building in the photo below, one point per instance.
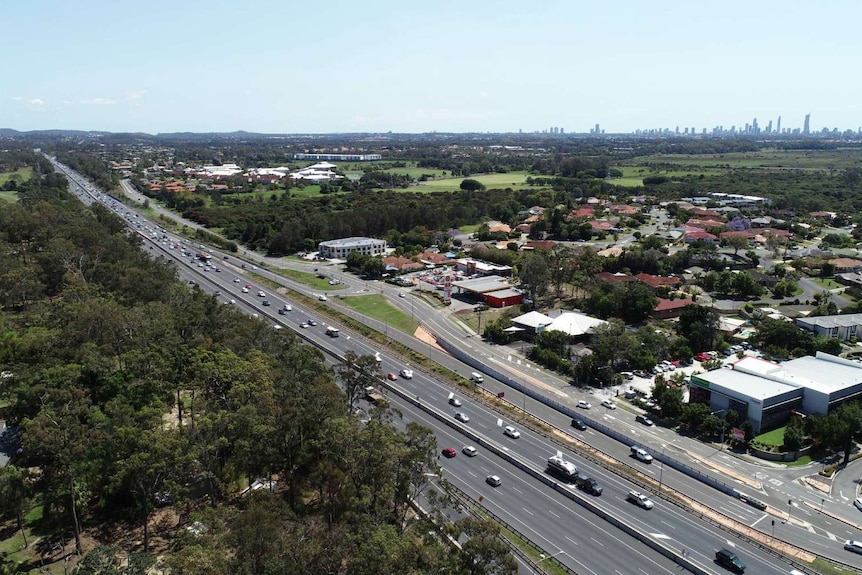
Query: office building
806,127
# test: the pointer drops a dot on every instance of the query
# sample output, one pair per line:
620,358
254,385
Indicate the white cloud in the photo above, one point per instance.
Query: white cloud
100,101
134,95
36,102
17,98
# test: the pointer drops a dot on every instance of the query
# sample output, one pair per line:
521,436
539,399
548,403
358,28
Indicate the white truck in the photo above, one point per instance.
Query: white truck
558,465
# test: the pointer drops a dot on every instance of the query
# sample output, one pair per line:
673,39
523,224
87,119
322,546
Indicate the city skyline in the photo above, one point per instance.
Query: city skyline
274,67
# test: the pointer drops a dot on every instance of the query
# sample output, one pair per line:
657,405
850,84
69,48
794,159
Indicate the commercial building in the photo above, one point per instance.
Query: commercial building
766,393
340,249
339,157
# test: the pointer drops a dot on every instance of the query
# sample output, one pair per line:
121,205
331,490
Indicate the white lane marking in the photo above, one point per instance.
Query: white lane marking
518,490
554,514
831,536
762,517
527,510
668,524
473,474
597,541
572,540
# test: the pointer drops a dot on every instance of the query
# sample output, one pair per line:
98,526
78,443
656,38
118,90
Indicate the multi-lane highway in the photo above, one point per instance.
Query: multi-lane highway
521,499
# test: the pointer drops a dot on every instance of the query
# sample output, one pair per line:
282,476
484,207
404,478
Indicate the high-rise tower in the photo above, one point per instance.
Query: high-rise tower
778,128
807,125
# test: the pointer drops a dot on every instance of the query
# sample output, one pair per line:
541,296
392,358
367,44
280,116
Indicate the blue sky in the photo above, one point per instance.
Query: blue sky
344,66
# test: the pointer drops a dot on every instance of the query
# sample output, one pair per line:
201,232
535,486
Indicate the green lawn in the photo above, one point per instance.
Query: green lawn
826,283
633,175
416,173
376,306
774,437
489,180
309,279
836,159
10,197
21,175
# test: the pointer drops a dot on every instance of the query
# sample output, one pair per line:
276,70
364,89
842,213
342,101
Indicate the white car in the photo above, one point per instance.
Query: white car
609,404
322,298
236,280
462,417
493,480
407,373
640,499
511,432
470,451
854,546
584,404
303,325
261,294
245,290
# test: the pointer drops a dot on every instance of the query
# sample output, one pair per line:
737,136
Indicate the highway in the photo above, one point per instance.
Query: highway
665,522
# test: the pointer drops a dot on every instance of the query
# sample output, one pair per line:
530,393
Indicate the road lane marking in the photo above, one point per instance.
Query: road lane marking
668,524
762,517
660,535
572,540
527,510
597,541
518,490
554,514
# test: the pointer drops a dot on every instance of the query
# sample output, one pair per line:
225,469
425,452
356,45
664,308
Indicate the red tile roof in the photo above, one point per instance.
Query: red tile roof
656,281
614,278
669,304
540,245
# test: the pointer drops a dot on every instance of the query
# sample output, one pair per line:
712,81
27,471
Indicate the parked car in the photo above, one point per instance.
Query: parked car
858,503
450,452
728,559
322,298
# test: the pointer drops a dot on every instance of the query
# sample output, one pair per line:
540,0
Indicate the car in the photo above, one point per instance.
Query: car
391,376
218,269
334,282
245,290
470,451
192,282
645,420
493,480
462,417
858,503
702,357
288,307
627,375
261,294
449,452
578,424
728,559
322,297
455,401
233,301
588,484
854,546
407,373
640,499
303,325
609,404
248,286
401,294
217,292
511,432
641,454
584,404
640,373
236,280
311,322
282,312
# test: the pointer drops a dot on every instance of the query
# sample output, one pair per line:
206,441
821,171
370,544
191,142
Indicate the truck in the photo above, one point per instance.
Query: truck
375,397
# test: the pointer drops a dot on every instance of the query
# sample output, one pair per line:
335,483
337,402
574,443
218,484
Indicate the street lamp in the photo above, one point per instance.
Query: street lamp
661,469
789,509
547,557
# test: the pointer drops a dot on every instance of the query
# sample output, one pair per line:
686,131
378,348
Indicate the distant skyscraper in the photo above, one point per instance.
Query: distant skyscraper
778,128
597,129
806,127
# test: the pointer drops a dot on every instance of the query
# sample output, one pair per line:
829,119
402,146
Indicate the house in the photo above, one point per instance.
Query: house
532,321
668,308
729,326
503,298
705,213
471,267
494,227
853,279
582,212
433,258
656,282
763,279
841,326
705,224
623,209
401,264
539,245
616,278
822,215
575,324
695,234
740,234
603,226
846,264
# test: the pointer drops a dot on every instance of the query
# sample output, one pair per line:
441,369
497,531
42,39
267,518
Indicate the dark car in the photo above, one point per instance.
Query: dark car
266,302
728,559
588,484
578,424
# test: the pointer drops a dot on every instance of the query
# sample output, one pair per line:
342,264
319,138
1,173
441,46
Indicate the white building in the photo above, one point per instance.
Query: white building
339,157
841,326
340,249
320,172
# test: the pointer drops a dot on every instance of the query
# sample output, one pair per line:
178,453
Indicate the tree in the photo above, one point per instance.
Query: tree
794,434
356,373
374,267
484,552
13,496
699,326
672,403
737,243
535,275
472,185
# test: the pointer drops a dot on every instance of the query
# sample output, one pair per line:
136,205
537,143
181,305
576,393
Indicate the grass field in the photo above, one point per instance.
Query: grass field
633,175
774,437
377,307
837,159
310,280
21,175
489,180
826,283
10,197
416,173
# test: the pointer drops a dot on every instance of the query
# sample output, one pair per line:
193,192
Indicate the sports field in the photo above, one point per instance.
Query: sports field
490,181
21,175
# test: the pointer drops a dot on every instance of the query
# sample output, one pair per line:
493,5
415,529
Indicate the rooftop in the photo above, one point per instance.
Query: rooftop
483,285
745,384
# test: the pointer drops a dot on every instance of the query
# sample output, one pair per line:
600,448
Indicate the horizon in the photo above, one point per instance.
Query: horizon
496,68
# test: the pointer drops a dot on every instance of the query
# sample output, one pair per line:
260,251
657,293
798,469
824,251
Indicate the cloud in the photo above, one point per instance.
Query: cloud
100,101
36,102
17,98
134,95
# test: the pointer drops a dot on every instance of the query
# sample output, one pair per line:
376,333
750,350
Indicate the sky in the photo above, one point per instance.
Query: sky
284,66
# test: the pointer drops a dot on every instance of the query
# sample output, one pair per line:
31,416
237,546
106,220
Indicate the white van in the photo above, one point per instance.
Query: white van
332,331
476,377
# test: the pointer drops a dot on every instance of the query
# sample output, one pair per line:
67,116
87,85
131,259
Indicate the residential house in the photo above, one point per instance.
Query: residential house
401,264
669,308
841,326
616,278
691,234
656,282
846,264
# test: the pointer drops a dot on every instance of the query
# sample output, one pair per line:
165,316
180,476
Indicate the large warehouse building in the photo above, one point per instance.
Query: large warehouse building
766,393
